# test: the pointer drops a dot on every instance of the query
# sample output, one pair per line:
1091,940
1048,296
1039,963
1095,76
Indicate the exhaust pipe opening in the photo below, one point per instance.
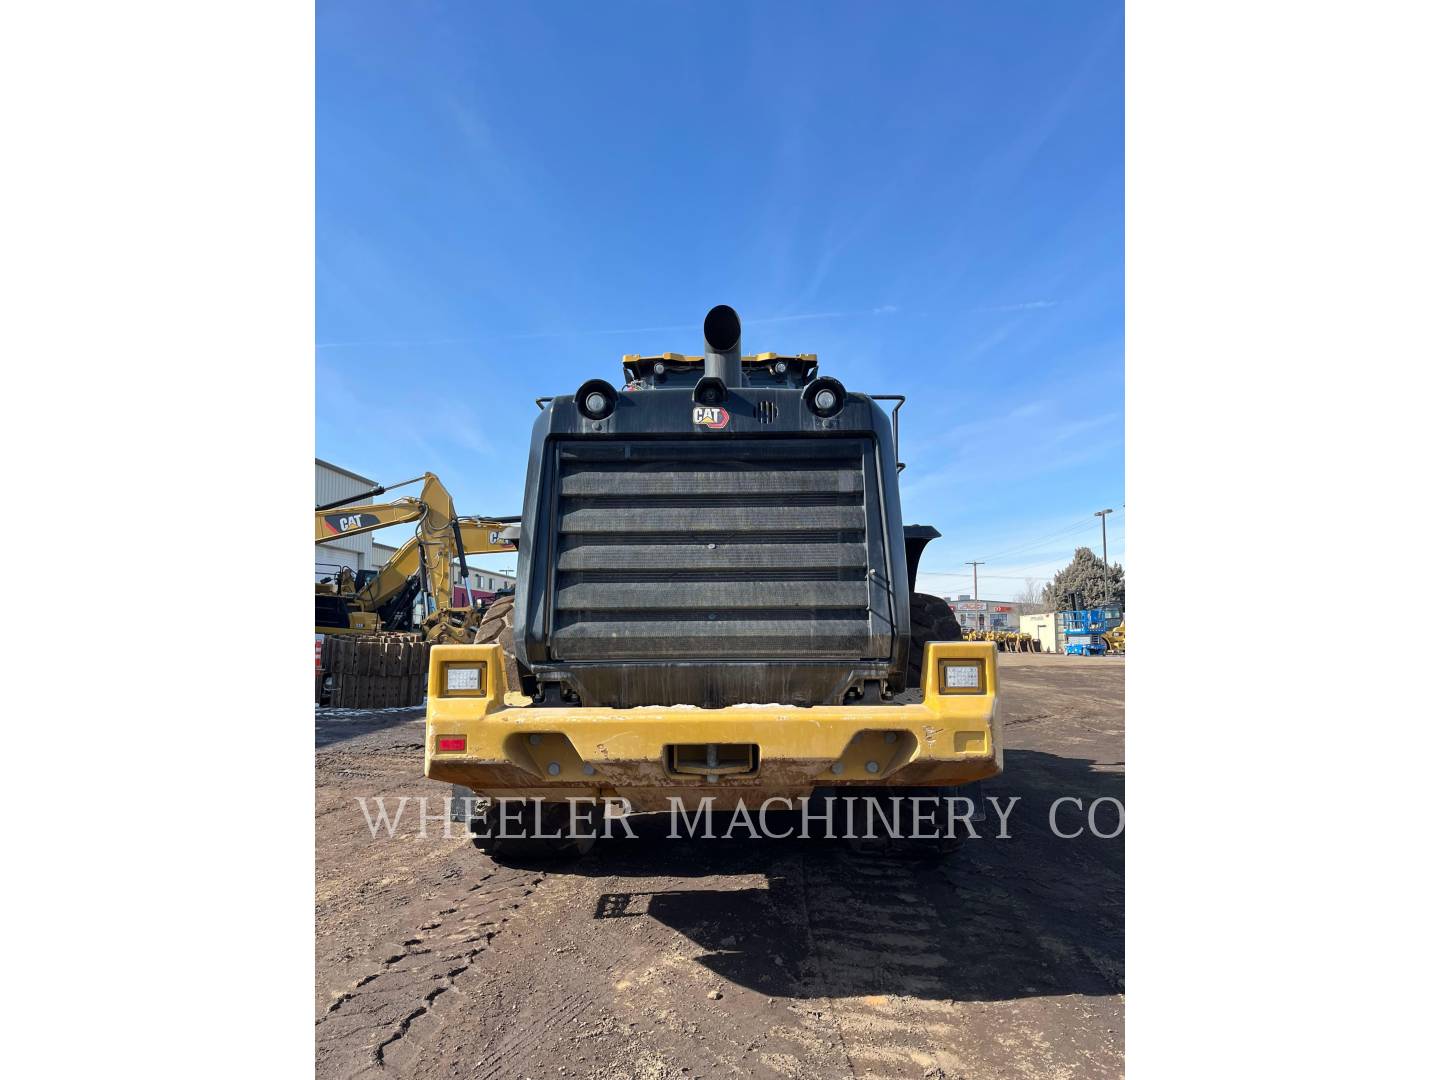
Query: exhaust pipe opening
722,345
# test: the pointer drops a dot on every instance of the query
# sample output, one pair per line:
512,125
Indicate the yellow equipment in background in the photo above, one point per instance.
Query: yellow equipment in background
440,539
1115,639
1005,640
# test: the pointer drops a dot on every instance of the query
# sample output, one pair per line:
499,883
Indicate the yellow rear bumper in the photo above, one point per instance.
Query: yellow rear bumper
745,751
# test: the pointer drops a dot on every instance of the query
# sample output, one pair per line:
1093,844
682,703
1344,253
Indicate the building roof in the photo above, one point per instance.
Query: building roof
492,573
346,472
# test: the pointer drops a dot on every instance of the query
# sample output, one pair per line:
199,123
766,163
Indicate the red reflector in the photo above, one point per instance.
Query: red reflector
452,742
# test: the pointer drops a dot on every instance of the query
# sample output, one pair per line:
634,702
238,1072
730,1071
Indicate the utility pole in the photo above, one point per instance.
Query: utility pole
1105,551
975,588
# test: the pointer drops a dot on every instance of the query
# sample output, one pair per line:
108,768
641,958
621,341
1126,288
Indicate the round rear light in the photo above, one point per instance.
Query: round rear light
825,397
596,399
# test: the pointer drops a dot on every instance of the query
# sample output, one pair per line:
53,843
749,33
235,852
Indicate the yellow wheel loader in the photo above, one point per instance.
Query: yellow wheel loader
715,606
1115,639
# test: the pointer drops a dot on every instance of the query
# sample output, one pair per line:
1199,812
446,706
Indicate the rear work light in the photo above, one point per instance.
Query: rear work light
962,676
462,678
450,744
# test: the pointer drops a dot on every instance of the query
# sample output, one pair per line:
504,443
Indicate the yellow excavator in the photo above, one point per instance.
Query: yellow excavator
383,599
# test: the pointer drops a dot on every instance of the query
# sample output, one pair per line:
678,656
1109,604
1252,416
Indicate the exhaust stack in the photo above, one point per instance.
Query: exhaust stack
722,346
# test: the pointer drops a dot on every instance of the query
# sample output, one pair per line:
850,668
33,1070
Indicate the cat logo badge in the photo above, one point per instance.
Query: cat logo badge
711,416
336,524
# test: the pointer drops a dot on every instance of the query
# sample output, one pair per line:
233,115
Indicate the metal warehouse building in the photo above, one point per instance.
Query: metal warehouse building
357,552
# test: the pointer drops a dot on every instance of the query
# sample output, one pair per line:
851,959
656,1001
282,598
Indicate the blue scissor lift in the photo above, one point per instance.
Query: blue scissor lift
1083,630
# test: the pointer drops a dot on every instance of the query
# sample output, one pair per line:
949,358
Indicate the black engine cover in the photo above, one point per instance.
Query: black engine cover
750,551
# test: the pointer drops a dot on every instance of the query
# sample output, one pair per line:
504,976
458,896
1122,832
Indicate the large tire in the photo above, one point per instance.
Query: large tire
498,625
522,849
915,841
930,620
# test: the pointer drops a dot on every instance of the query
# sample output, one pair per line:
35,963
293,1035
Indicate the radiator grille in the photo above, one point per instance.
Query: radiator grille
697,549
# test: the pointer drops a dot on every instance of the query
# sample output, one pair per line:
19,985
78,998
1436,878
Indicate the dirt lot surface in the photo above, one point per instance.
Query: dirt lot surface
652,959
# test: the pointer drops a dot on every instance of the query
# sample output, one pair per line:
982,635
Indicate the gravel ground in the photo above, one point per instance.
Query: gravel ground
652,959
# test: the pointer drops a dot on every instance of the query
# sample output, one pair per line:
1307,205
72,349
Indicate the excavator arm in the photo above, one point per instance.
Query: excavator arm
440,539
434,509
477,537
333,524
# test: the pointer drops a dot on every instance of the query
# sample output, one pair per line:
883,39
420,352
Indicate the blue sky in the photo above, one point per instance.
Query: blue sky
929,196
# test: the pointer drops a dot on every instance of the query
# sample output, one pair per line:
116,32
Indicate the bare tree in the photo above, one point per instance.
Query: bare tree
1028,601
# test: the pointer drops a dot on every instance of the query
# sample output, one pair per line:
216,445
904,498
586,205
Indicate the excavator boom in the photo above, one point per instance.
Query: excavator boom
362,519
477,536
440,539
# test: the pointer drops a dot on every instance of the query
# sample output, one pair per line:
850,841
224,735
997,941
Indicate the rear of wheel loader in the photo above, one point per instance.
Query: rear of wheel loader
715,600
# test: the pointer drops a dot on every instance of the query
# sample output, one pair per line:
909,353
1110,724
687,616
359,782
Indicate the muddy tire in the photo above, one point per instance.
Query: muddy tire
498,625
930,620
917,849
920,824
519,847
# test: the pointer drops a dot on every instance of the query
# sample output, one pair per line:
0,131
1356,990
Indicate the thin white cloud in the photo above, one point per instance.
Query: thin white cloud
1028,305
887,309
396,344
765,321
991,340
1029,409
1035,451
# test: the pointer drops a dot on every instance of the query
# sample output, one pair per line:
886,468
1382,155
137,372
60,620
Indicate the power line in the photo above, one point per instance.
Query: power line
1006,577
1078,526
1083,524
1023,566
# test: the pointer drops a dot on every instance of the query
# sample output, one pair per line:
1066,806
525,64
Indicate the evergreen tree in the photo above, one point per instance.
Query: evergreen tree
1085,576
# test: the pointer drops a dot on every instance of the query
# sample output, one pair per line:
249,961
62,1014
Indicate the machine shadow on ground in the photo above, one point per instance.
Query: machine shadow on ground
1031,915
